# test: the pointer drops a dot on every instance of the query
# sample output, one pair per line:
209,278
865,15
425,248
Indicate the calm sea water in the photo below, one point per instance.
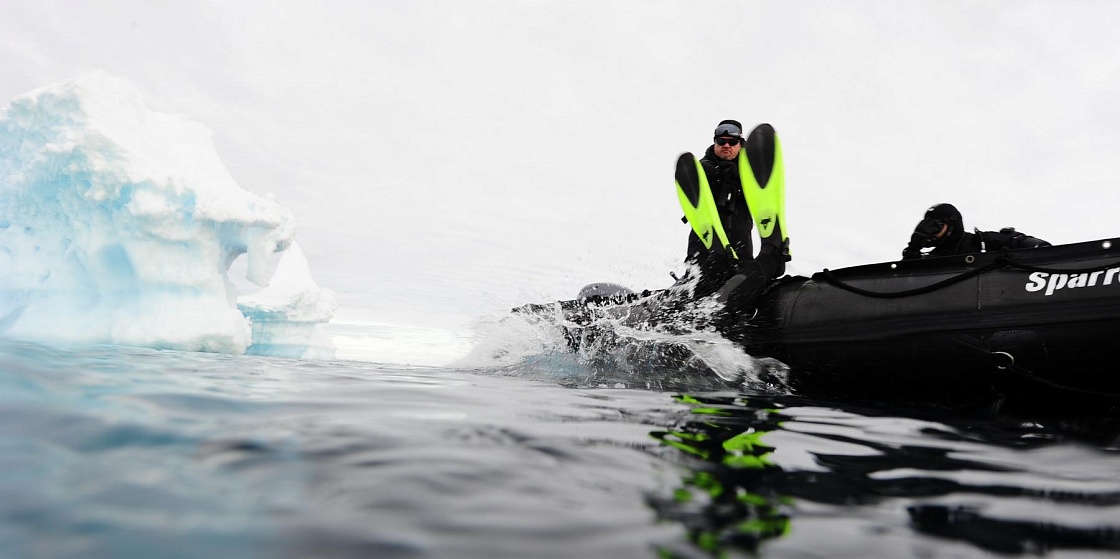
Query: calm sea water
124,452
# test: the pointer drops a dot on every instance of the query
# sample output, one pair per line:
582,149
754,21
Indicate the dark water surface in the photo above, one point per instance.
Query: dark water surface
122,452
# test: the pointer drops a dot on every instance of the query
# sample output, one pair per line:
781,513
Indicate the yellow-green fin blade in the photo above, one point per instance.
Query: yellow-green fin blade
763,177
698,203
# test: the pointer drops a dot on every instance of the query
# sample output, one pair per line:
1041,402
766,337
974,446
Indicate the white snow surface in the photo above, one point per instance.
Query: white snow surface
118,225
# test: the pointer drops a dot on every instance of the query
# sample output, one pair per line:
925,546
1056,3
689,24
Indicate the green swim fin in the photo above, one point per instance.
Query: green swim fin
698,204
763,178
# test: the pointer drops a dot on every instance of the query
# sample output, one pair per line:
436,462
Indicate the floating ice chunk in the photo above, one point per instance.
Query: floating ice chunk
118,224
288,315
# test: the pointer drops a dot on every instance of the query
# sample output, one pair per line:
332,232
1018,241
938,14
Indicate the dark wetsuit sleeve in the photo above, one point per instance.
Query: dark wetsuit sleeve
1009,238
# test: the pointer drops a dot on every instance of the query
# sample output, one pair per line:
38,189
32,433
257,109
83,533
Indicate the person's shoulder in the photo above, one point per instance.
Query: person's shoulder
1003,235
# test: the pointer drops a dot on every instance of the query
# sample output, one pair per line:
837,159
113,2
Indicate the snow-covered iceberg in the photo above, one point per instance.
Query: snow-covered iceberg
119,224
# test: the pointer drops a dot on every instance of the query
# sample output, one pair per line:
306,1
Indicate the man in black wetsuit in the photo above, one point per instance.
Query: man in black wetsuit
740,280
942,229
721,166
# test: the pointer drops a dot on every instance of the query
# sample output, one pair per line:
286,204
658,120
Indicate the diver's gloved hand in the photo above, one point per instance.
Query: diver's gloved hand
1021,240
911,252
914,249
925,233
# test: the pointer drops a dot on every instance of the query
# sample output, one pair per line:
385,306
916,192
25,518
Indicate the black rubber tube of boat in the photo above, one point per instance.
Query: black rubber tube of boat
1029,268
1000,262
831,278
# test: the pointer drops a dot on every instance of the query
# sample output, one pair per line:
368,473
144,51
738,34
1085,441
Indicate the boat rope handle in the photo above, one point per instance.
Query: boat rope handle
831,278
1016,369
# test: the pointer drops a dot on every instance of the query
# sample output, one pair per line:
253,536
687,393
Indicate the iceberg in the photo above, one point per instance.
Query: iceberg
119,224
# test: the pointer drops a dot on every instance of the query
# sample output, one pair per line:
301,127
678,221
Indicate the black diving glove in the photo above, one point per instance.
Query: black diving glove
911,253
914,249
924,236
1022,240
925,233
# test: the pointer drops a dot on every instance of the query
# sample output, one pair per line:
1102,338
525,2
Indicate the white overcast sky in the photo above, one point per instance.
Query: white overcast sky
451,158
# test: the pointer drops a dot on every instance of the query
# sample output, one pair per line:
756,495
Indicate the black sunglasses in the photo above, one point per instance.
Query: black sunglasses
727,141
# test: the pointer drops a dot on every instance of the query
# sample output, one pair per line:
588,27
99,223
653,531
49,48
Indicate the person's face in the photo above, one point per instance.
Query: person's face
727,151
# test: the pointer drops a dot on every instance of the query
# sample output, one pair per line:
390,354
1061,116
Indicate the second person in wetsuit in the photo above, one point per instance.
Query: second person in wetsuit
942,229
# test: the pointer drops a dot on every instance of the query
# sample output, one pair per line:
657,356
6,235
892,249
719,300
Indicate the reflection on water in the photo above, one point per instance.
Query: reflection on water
119,452
725,500
995,484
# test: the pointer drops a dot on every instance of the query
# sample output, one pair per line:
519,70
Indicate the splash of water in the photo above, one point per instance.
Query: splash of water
634,345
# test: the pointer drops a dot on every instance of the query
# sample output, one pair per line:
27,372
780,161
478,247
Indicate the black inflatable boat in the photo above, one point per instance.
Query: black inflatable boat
1039,321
